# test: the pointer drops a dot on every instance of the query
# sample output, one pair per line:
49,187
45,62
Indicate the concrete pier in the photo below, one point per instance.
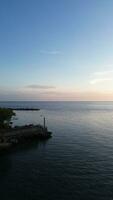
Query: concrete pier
21,134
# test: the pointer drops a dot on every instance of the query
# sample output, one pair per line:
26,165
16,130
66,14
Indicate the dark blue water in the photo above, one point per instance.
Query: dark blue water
76,163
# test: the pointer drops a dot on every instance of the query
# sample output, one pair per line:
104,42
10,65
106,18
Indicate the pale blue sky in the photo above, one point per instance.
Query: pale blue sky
56,49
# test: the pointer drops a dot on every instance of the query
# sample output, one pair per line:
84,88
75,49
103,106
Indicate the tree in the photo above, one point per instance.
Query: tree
5,117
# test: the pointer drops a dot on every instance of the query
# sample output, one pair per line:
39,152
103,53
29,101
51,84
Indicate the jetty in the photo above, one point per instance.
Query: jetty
25,109
11,136
23,134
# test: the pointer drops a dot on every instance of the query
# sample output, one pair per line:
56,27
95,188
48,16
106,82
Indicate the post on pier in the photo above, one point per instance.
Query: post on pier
44,123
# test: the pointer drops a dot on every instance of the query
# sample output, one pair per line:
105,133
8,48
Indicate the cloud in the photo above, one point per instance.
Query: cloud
99,80
100,77
54,95
103,73
51,52
42,87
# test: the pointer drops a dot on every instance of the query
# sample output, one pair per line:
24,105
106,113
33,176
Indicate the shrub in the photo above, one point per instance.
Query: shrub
5,117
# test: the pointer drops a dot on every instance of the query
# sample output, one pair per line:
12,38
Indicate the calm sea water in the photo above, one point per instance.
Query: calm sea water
76,163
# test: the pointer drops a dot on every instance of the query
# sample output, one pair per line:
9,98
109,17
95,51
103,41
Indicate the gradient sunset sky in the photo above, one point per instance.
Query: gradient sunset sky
56,50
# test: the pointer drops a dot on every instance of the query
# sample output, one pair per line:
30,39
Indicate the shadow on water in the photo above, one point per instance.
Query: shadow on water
5,165
5,160
24,147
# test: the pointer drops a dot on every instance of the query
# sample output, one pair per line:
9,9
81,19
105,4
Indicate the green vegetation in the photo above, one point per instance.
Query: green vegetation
6,115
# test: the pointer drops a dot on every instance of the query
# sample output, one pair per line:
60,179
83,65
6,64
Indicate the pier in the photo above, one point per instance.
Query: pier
23,134
10,136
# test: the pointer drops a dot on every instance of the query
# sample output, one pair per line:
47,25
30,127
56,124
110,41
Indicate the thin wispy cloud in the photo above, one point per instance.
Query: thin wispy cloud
100,77
55,94
100,80
103,73
51,52
42,87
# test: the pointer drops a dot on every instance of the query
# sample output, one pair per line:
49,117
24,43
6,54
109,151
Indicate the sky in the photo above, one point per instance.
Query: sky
56,50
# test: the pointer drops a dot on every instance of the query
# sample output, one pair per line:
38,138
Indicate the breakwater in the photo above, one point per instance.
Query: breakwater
26,109
16,135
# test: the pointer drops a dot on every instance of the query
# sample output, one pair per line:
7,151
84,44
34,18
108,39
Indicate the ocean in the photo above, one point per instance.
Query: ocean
76,163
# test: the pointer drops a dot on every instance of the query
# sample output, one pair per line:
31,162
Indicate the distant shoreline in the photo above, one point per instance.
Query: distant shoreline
26,109
22,109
